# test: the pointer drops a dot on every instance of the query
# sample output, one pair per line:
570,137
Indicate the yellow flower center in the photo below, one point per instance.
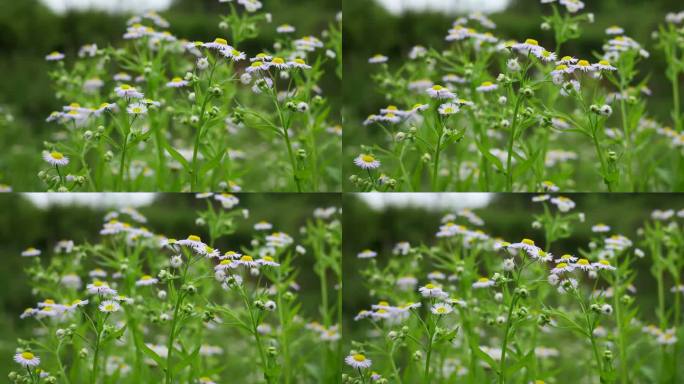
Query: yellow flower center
221,41
566,58
147,277
194,238
561,265
441,310
437,87
137,110
367,158
224,262
561,67
583,262
546,53
246,258
604,262
98,283
257,64
566,257
125,87
487,84
299,61
383,303
27,356
531,42
527,241
483,280
359,357
49,301
176,80
430,286
583,63
56,155
278,60
267,258
77,301
604,62
109,307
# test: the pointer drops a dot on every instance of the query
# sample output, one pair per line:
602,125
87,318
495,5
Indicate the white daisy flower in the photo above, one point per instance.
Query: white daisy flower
432,290
603,264
604,65
563,203
100,288
566,259
299,63
562,267
193,241
358,361
366,254
549,186
614,30
439,92
109,306
263,226
584,265
129,92
378,59
540,198
278,62
441,309
584,66
246,260
218,44
30,251
285,28
55,158
227,200
566,60
137,109
529,46
487,86
600,228
122,76
205,380
146,280
483,282
257,66
448,109
268,261
27,359
667,338
233,54
365,161
55,56
544,55
177,82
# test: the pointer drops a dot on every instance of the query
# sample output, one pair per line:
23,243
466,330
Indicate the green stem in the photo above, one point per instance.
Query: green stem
504,346
195,165
172,335
509,157
435,166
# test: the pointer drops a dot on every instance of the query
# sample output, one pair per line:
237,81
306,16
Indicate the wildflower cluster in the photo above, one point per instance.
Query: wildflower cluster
487,113
139,306
471,307
163,113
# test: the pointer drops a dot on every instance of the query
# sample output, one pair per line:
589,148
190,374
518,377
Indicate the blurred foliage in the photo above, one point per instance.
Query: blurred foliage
29,31
508,216
22,224
369,29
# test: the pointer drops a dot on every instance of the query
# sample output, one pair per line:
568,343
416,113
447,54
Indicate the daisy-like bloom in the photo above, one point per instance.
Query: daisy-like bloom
441,309
30,251
365,161
205,380
667,338
146,280
529,46
604,65
448,109
432,290
584,66
439,92
566,60
55,56
122,76
257,66
109,306
227,200
562,267
233,54
246,260
177,82
100,288
526,245
549,186
299,63
544,55
285,28
487,86
279,63
27,359
584,265
600,228
129,92
573,6
55,158
378,59
358,361
263,226
218,44
406,283
268,261
137,109
366,254
193,241
567,285
566,259
563,203
603,264
614,30
483,282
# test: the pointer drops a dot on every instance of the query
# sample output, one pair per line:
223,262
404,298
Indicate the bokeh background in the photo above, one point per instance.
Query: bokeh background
30,29
392,27
40,220
379,221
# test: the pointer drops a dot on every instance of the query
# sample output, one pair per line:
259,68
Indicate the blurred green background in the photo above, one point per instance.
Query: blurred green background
508,216
369,29
29,30
23,224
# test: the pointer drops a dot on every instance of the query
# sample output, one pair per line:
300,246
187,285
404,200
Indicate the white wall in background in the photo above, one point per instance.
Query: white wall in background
117,6
450,6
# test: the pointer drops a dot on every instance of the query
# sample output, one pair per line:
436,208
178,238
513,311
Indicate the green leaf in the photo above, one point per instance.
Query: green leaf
149,353
176,155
